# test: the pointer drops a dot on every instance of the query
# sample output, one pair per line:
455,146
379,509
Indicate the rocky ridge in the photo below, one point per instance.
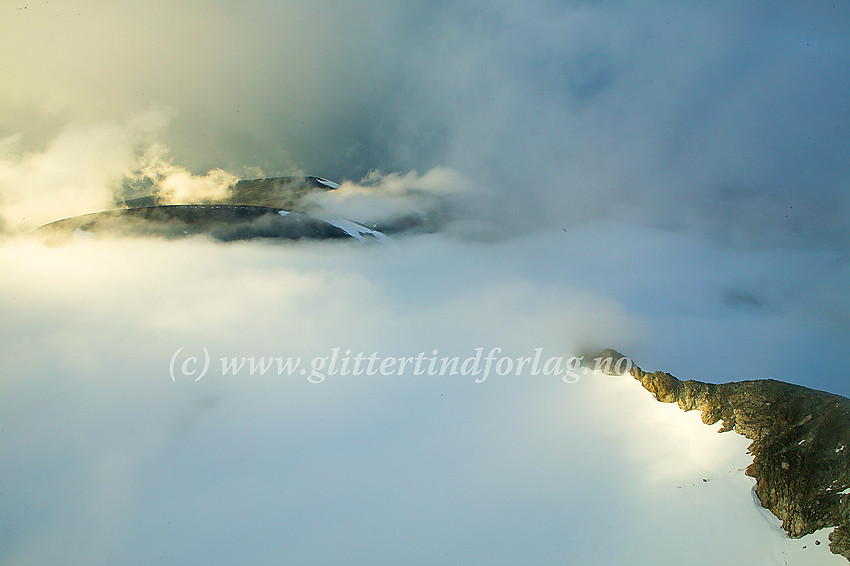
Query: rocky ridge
800,444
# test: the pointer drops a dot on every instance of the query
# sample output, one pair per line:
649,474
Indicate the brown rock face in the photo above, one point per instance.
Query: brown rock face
801,445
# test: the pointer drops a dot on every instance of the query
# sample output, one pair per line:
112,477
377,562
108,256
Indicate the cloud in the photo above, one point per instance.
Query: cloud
77,173
366,466
669,180
91,167
156,173
564,112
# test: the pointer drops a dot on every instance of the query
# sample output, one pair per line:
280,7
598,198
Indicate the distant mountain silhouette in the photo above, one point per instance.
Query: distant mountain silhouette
253,208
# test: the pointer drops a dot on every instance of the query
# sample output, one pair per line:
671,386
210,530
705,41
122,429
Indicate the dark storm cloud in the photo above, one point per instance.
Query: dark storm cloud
564,110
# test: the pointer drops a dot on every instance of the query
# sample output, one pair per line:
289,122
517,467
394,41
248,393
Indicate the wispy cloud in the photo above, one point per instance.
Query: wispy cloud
658,111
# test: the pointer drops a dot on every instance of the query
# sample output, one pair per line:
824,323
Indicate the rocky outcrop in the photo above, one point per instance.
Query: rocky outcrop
800,444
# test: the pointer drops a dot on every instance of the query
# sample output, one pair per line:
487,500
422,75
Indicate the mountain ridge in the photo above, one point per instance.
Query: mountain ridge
800,444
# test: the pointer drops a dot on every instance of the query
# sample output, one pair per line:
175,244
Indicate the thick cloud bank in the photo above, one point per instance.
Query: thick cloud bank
119,449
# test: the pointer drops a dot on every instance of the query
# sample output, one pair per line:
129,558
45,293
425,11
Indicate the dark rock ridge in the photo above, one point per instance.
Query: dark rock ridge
800,444
271,208
221,222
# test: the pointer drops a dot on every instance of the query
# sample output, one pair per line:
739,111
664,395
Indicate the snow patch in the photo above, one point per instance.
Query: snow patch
353,229
327,183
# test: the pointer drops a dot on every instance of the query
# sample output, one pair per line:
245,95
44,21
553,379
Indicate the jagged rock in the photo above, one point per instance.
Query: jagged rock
608,361
800,445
